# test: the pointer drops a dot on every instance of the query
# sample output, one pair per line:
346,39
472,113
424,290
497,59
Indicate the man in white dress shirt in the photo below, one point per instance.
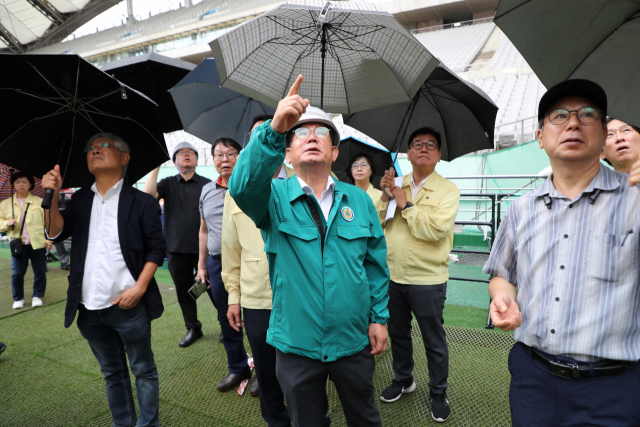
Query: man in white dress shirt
118,245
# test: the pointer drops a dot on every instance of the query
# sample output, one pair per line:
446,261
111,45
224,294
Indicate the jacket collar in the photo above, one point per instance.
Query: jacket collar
431,184
605,180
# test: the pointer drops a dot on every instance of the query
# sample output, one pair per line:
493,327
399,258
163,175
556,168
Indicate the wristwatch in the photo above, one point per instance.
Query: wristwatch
408,205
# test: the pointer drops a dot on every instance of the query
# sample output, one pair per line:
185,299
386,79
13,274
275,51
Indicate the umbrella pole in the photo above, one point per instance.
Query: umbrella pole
48,193
323,52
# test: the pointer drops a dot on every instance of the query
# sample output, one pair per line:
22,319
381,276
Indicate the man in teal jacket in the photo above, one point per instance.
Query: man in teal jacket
327,264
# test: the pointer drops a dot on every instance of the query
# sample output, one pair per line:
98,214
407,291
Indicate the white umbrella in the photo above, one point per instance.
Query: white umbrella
354,56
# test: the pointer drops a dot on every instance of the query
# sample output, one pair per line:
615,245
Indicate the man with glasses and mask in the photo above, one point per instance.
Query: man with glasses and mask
565,266
225,153
327,264
419,231
117,248
181,194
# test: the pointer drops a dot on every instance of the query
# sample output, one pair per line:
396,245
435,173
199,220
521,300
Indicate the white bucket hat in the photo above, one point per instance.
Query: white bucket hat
316,115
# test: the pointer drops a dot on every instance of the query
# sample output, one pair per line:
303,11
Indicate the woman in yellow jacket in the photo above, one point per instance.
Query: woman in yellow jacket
361,171
32,238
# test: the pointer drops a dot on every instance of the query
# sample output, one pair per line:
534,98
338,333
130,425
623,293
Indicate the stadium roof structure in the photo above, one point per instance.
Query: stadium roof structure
26,25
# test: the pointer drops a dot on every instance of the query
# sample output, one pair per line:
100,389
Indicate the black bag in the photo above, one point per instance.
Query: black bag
17,248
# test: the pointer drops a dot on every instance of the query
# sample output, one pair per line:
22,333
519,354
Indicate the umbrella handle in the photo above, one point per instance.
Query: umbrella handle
386,189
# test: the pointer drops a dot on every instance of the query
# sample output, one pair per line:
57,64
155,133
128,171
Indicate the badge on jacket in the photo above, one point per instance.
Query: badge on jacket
347,213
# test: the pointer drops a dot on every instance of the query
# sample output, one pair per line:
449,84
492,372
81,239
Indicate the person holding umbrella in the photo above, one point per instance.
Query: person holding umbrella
117,247
181,194
361,171
327,262
621,146
565,266
419,230
22,218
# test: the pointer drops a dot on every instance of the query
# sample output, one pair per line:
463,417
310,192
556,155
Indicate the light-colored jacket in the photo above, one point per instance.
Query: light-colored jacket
374,193
245,269
34,222
420,238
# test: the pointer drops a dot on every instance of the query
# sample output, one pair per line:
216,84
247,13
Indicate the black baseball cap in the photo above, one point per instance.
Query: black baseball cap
573,87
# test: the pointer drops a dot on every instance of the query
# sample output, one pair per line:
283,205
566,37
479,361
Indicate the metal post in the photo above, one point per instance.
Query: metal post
323,52
130,18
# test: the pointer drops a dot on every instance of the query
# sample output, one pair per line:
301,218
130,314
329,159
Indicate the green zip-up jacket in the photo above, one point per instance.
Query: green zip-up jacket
322,303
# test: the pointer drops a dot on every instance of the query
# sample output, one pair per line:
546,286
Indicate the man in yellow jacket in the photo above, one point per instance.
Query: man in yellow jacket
245,272
419,223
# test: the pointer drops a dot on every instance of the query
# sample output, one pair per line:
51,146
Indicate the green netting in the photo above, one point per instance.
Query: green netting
48,376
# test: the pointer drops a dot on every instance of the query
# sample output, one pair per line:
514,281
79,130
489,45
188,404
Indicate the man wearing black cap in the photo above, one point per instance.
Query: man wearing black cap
571,248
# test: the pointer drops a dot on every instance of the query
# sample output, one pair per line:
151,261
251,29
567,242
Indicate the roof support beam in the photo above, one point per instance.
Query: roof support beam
48,10
13,43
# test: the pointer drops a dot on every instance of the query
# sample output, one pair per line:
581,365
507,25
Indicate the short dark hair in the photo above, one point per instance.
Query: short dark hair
353,160
260,118
227,142
425,131
18,174
637,129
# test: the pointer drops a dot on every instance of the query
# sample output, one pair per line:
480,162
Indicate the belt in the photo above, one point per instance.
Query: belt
218,257
576,371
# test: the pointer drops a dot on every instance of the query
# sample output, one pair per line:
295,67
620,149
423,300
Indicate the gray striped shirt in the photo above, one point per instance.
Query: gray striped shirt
576,268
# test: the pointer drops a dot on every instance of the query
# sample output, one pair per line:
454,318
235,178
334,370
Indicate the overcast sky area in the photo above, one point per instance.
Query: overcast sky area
118,13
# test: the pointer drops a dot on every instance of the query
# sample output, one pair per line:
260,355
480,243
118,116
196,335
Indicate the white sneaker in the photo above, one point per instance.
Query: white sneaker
18,304
36,302
4,238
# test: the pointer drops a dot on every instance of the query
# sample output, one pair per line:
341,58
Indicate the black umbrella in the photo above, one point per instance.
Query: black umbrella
592,39
461,112
349,147
52,104
210,111
153,75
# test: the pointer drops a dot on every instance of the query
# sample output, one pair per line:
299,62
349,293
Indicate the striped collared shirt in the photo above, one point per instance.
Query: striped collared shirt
576,268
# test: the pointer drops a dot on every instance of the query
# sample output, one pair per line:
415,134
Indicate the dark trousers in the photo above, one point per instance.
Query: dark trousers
304,383
231,339
63,254
181,268
274,412
113,335
540,399
19,266
427,304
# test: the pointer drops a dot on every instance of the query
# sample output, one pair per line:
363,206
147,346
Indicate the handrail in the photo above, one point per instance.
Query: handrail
451,25
496,177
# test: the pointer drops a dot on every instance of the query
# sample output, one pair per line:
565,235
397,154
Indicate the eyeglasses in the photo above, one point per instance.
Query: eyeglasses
220,156
586,115
185,152
431,146
303,133
97,146
357,165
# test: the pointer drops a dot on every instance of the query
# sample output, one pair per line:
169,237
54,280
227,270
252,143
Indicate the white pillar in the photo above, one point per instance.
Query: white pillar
130,18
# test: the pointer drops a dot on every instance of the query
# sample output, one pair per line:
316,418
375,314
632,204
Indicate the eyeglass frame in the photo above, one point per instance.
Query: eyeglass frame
103,145
600,112
185,151
435,145
312,130
221,156
360,165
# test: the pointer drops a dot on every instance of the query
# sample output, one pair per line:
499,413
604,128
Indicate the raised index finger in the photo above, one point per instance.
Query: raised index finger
296,86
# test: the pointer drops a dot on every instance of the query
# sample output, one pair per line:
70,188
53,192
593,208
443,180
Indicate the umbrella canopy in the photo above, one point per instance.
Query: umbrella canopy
210,111
461,112
153,75
349,147
353,56
52,104
7,191
594,39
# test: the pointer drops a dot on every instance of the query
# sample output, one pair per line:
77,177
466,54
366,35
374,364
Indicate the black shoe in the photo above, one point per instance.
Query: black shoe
232,381
191,337
396,390
220,338
255,390
440,409
3,347
65,267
